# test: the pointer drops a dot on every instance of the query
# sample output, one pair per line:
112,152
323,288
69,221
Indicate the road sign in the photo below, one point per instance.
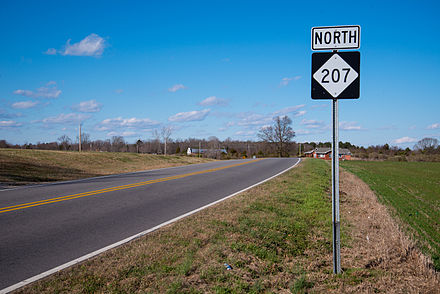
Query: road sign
336,75
336,38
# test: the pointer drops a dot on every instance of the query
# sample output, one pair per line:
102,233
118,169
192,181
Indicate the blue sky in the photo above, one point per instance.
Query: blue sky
212,68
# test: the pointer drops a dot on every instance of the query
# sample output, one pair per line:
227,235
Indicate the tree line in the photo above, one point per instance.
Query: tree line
212,145
275,141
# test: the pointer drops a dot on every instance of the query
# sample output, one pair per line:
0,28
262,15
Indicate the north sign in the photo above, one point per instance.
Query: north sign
336,38
336,75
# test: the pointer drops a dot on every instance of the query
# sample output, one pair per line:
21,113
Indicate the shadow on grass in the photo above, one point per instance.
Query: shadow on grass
21,173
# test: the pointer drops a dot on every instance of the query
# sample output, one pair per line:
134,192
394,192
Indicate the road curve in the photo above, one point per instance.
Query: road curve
45,226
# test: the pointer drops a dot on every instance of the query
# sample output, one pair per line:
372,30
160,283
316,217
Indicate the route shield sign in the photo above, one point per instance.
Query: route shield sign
336,75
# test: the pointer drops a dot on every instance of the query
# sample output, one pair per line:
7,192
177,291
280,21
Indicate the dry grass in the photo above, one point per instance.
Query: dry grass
18,167
379,248
277,239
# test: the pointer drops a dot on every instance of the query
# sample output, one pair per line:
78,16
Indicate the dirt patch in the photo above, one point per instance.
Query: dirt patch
378,245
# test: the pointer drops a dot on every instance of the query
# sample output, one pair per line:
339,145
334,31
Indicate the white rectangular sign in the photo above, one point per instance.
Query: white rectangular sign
335,38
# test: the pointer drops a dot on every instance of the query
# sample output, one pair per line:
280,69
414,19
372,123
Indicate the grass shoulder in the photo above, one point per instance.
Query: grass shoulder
21,166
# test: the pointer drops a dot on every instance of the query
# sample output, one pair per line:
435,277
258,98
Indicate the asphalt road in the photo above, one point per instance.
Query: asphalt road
45,226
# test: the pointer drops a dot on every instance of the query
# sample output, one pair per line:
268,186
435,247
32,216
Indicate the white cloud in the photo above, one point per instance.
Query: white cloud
212,100
87,106
190,116
285,81
349,126
254,119
405,140
245,133
92,45
289,109
27,93
119,122
9,124
48,91
24,104
51,51
434,126
300,113
176,87
302,132
123,134
312,124
70,118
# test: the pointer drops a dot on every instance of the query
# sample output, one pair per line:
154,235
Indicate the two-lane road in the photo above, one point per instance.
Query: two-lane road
45,226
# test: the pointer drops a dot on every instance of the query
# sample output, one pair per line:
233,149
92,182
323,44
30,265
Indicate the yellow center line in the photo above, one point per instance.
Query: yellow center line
117,188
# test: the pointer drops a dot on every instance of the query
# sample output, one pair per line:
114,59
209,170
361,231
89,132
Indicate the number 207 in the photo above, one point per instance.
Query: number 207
335,75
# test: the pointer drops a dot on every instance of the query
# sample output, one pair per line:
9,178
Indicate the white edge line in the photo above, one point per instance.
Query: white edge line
126,240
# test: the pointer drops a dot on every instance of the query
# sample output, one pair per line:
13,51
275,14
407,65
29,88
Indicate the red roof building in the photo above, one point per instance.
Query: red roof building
326,153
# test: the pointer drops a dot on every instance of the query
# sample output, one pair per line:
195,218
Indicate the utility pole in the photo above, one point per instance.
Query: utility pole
200,146
165,149
79,143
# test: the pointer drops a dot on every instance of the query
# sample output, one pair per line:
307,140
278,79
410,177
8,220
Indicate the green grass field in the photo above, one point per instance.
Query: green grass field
412,190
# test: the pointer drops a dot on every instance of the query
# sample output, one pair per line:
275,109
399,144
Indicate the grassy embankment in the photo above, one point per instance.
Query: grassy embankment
37,166
269,235
412,191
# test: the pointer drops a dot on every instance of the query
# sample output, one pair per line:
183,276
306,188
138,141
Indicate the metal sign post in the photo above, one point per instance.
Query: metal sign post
336,75
335,191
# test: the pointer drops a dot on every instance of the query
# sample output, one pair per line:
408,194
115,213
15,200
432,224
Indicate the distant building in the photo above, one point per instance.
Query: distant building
326,153
196,151
344,154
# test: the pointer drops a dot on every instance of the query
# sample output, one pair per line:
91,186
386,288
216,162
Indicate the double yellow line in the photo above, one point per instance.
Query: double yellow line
117,188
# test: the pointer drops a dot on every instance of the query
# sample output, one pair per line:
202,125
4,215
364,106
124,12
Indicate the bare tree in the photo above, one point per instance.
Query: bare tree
138,145
280,134
427,145
156,139
165,133
65,141
118,143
